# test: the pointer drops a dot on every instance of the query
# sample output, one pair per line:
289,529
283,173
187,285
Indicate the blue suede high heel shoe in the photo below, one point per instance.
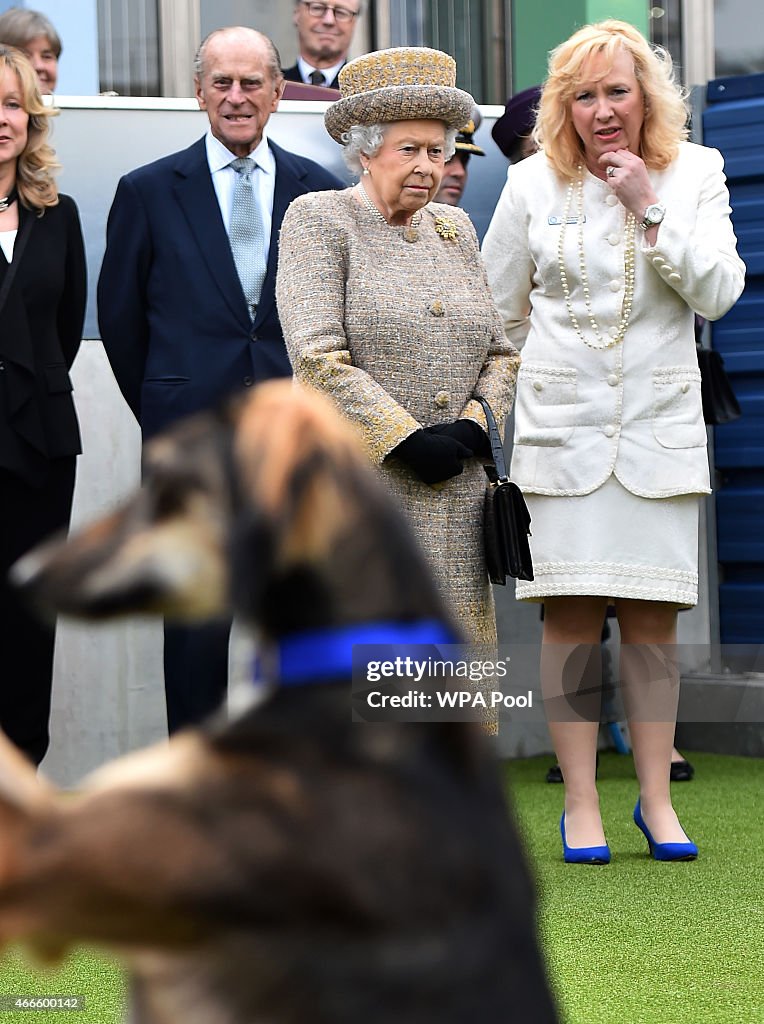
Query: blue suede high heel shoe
663,851
582,854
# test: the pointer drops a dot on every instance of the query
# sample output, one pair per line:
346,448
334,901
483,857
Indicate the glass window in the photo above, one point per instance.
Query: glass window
666,29
739,41
128,47
467,29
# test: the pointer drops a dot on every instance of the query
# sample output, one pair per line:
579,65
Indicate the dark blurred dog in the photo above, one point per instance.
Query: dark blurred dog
288,867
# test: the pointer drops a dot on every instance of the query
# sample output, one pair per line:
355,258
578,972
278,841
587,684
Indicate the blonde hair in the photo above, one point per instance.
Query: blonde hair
36,164
665,109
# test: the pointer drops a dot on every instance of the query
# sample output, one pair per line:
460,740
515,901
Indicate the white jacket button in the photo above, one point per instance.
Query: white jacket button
537,385
611,200
675,277
615,285
685,388
613,380
614,238
609,430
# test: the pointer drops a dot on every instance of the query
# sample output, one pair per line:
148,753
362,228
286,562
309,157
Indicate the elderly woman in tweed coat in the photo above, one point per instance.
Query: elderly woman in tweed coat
385,307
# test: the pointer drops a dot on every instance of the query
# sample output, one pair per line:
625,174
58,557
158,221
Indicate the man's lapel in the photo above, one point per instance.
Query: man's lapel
197,198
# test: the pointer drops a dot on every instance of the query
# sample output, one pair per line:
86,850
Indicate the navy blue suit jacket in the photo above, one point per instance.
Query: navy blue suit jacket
173,318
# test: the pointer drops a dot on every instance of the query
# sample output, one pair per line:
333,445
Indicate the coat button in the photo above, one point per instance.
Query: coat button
613,380
615,285
538,385
675,277
614,238
658,261
685,388
613,331
248,382
611,200
609,430
437,308
2,365
254,336
442,399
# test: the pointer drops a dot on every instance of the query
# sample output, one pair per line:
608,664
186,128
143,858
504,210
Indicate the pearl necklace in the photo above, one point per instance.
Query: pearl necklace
410,232
628,269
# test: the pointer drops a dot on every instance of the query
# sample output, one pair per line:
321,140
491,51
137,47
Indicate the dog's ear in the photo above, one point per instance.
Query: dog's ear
299,464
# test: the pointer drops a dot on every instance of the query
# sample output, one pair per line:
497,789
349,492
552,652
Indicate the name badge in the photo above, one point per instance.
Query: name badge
552,221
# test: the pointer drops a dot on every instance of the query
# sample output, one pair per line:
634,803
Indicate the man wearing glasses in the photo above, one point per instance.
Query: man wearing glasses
324,33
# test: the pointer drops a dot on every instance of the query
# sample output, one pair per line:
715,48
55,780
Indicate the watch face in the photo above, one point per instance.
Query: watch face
655,213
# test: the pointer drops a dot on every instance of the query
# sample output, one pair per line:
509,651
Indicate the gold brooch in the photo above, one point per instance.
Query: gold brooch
446,229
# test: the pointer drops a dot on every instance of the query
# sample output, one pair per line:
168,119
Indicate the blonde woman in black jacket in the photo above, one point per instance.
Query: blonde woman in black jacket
42,308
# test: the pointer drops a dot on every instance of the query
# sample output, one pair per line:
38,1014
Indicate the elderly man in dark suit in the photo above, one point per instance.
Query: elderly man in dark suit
324,34
186,301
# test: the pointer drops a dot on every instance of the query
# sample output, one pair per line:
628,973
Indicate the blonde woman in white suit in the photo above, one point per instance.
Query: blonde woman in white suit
602,248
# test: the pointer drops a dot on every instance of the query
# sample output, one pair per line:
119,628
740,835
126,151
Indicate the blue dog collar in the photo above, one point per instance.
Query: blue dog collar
323,655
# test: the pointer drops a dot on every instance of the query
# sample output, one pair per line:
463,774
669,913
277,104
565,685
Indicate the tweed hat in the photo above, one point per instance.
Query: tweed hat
404,83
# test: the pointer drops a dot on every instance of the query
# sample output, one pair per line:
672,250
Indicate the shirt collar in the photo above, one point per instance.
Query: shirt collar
329,74
219,157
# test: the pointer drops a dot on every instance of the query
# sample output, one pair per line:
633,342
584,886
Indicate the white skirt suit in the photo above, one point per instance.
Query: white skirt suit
610,443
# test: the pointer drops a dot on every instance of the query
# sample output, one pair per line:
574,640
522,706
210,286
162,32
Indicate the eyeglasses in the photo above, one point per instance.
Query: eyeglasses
341,14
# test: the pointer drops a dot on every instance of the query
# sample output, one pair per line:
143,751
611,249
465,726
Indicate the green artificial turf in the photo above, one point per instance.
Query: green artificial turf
634,942
641,942
95,979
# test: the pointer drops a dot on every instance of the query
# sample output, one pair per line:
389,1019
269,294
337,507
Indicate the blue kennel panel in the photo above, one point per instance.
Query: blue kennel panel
733,123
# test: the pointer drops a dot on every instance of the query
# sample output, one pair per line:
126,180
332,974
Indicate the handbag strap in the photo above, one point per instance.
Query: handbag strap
497,448
18,248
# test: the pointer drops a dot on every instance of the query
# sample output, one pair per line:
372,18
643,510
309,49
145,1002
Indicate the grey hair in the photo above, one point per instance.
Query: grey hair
274,59
368,139
19,26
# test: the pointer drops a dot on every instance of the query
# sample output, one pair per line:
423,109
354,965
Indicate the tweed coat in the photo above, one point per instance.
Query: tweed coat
632,409
401,335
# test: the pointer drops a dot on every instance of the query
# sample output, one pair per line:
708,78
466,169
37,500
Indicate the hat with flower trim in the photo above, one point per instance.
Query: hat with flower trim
404,83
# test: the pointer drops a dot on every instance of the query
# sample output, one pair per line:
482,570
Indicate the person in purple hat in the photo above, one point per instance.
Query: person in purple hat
512,131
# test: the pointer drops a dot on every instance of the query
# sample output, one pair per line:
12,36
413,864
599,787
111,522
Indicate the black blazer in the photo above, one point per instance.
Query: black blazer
293,75
40,333
173,317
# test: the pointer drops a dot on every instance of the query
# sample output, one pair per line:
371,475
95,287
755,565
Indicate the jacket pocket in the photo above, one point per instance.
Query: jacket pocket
546,404
167,380
57,378
677,407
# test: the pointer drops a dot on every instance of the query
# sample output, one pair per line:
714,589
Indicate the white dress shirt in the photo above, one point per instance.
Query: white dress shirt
329,74
224,178
7,240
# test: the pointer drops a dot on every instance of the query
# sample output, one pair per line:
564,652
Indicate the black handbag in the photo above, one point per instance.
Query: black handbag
507,521
720,404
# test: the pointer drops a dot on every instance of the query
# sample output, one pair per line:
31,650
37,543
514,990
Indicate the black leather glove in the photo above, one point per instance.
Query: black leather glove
433,457
468,433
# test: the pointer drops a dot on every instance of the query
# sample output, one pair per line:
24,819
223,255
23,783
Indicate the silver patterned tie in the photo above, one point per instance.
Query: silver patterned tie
247,234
